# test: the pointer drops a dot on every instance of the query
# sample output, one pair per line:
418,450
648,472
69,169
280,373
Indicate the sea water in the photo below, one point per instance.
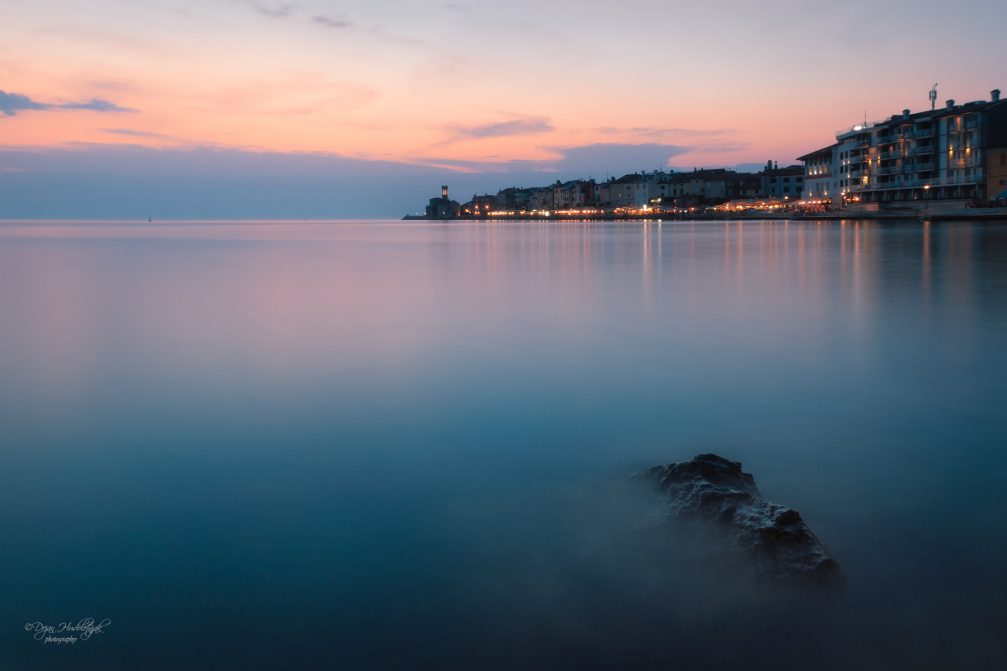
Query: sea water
390,445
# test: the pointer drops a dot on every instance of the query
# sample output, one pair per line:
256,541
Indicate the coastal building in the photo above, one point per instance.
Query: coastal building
996,169
963,133
573,194
513,199
443,207
820,181
777,182
686,186
629,191
541,199
746,185
852,163
660,186
946,155
714,185
996,152
479,205
603,193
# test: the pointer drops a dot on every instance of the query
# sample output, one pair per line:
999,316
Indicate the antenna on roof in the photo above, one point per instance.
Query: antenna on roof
933,98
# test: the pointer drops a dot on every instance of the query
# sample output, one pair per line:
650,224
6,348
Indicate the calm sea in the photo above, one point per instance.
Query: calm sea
388,445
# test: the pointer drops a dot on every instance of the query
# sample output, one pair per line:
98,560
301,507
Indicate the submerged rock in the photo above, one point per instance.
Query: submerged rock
713,497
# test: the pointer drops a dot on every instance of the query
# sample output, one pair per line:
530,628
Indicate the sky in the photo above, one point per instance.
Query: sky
329,108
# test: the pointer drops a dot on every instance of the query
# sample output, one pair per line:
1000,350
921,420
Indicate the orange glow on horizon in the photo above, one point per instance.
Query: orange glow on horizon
414,85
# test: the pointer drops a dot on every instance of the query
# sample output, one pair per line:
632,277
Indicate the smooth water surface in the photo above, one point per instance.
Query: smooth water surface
376,445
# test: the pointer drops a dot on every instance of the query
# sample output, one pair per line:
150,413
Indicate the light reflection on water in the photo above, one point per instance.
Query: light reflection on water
308,443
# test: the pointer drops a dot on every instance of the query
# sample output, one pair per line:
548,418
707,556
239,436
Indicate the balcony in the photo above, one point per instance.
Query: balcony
961,180
891,154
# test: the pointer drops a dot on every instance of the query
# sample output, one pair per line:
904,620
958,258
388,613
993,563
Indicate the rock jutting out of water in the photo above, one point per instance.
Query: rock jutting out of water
716,502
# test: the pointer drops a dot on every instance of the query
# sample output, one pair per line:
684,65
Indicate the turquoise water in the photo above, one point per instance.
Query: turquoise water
384,445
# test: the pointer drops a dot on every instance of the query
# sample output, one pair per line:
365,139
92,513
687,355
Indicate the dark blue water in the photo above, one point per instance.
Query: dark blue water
386,445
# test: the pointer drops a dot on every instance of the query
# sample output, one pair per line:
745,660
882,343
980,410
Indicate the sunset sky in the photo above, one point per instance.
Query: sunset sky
362,109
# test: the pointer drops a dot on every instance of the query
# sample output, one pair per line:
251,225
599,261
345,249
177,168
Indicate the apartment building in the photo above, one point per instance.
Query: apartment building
777,182
947,155
820,181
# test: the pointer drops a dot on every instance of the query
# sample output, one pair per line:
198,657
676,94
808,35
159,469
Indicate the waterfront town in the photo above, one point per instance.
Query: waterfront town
950,160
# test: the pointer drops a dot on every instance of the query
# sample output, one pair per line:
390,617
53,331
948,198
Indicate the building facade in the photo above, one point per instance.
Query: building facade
945,154
573,194
782,183
541,199
820,181
513,198
480,206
